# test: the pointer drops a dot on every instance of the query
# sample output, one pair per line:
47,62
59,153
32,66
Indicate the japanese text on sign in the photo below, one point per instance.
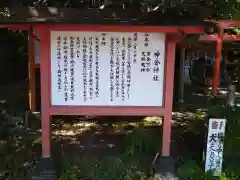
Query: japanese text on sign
107,68
214,154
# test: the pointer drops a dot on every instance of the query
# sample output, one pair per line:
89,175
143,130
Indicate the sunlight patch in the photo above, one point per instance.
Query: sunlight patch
74,129
153,119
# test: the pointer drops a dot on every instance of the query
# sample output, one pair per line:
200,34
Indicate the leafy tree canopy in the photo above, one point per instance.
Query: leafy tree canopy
202,9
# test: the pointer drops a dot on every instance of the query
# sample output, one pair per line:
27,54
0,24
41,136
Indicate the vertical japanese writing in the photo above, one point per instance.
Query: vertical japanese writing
215,146
65,48
146,39
212,141
146,62
97,67
214,125
72,69
211,157
111,68
103,39
219,150
156,66
84,52
129,66
90,59
59,58
117,73
217,126
78,44
77,55
123,69
135,38
105,68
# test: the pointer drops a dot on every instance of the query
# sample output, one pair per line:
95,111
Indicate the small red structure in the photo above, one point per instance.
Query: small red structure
218,39
224,24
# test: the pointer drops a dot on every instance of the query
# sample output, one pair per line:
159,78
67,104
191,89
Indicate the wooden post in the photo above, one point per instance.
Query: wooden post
31,72
181,79
216,77
170,59
45,92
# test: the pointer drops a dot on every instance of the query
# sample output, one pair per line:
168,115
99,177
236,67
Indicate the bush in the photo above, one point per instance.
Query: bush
127,166
189,169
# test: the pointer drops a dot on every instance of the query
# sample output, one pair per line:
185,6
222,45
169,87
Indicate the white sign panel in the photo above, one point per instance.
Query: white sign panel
107,68
214,154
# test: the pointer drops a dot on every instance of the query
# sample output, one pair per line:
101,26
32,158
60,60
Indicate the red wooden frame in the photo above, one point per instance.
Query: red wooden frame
163,29
45,93
15,26
214,37
222,24
168,29
228,23
43,31
36,66
169,76
31,73
45,67
216,77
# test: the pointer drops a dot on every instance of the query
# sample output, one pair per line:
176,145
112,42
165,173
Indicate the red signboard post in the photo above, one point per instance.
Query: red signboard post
56,100
135,67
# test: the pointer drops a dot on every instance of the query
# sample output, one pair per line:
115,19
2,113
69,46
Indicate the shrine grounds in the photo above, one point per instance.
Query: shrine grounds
122,148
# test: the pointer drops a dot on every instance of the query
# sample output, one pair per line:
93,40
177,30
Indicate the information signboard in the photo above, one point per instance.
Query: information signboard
214,154
107,68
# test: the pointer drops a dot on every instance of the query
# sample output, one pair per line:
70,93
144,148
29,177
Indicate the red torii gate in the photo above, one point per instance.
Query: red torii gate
219,38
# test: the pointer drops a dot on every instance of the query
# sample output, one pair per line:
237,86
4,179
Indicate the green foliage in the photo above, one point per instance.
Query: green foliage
13,56
69,173
111,168
14,168
232,142
139,143
15,146
189,169
236,10
127,166
10,122
204,8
